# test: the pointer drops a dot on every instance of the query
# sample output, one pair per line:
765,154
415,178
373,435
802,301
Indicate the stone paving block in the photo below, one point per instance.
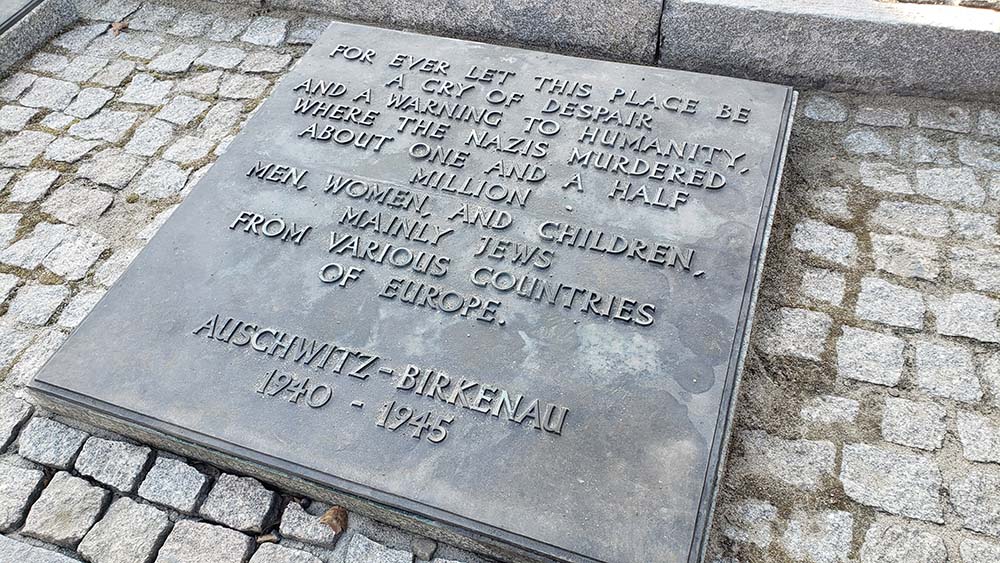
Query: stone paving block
975,550
311,28
221,57
975,226
800,333
973,496
968,314
32,185
238,502
199,542
75,40
35,303
266,31
134,43
204,83
14,118
183,110
18,486
903,217
823,285
83,68
13,550
174,484
946,370
16,84
8,228
161,179
870,356
78,307
220,120
150,137
65,511
13,413
242,87
274,553
58,121
40,350
115,73
364,550
830,409
227,28
898,543
108,125
177,60
13,340
191,24
128,533
917,424
989,122
951,118
978,266
114,463
75,203
188,149
89,101
49,93
985,156
113,267
23,148
885,116
980,437
885,177
867,142
825,108
833,201
153,17
114,10
29,252
898,483
266,61
145,89
68,149
51,443
957,185
750,521
821,537
906,257
76,254
826,242
111,167
803,464
304,525
920,149
47,62
883,302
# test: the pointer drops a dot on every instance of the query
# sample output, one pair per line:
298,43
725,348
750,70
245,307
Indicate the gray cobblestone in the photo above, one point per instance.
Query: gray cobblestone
968,314
116,464
50,93
35,303
106,125
823,285
241,87
309,31
884,177
183,110
129,532
870,356
822,537
76,254
274,553
945,370
985,156
14,118
980,437
174,484
59,121
978,266
750,521
833,201
905,256
161,179
198,542
75,40
898,483
150,137
221,57
973,495
18,486
830,409
68,149
78,307
975,550
895,543
41,348
957,185
952,118
111,167
115,73
989,122
191,24
82,68
887,303
825,108
32,185
29,252
188,149
301,525
23,148
76,203
8,228
47,63
13,550
16,84
902,217
177,60
803,464
145,89
921,149
917,424
800,333
238,502
975,226
13,341
265,30
48,442
826,242
867,142
227,28
885,116
88,102
153,17
65,511
205,83
364,550
266,61
13,413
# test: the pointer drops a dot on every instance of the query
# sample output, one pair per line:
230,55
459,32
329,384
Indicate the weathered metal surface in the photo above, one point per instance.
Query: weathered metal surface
579,414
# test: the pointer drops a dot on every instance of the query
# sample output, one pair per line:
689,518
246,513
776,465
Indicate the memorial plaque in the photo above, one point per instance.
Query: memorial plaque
501,289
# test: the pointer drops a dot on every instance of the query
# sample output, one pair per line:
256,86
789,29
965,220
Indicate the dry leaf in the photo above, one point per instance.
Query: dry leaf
335,518
268,538
119,27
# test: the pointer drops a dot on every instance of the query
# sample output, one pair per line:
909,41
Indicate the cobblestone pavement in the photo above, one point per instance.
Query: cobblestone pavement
867,427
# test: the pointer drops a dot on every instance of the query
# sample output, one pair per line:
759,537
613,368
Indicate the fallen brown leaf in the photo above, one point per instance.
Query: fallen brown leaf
267,538
335,518
119,27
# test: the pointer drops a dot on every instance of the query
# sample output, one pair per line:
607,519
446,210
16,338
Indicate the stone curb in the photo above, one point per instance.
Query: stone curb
33,30
862,45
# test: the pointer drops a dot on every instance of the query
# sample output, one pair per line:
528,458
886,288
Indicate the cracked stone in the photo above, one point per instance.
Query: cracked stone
906,257
76,203
111,167
923,150
83,68
970,315
182,110
18,486
107,125
23,148
916,424
174,484
199,542
16,84
32,185
896,543
145,89
129,532
177,60
89,102
14,118
8,228
35,303
900,483
115,10
68,149
114,463
149,137
13,340
78,308
945,370
50,93
266,31
161,179
13,413
883,302
75,255
75,40
238,502
65,511
153,17
115,73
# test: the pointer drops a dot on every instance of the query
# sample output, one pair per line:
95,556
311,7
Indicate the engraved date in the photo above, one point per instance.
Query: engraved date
392,417
295,389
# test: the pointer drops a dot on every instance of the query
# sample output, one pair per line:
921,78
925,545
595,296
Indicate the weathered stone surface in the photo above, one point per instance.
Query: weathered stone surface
968,314
885,177
885,116
173,483
946,370
145,89
989,122
832,201
150,137
973,495
897,543
870,356
423,548
29,252
912,423
221,57
902,217
905,256
274,553
78,308
24,147
188,149
65,511
750,521
823,285
161,179
40,350
75,254
16,84
310,29
83,68
115,73
978,266
899,483
76,203
89,101
364,550
191,24
56,120
177,60
111,167
50,93
238,502
242,87
921,149
975,550
227,28
887,303
198,542
220,120
830,409
8,228
826,242
108,125
825,108
265,30
797,332
867,142
958,185
35,303
13,413
153,17
47,62
301,525
822,537
76,39
114,463
129,532
13,550
985,156
32,185
799,463
68,149
48,442
951,118
183,110
113,267
204,83
17,487
266,61
980,437
14,118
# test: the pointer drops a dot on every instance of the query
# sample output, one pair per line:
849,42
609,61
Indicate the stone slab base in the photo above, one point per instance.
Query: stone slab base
33,30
